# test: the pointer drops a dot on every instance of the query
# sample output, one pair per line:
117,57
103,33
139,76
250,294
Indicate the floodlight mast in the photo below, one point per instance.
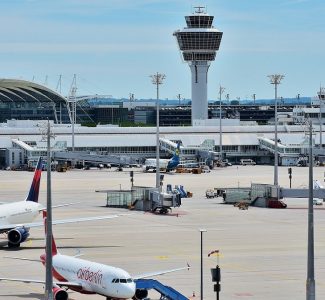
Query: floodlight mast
276,80
73,100
310,282
221,90
321,97
48,246
157,79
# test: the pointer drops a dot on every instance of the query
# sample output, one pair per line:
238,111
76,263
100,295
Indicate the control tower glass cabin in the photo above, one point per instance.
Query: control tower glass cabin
198,43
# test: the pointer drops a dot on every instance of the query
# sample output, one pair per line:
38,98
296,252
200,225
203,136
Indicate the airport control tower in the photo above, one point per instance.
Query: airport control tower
198,43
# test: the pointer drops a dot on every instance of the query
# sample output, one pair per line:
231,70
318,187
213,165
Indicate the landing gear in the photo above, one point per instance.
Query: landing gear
11,245
162,210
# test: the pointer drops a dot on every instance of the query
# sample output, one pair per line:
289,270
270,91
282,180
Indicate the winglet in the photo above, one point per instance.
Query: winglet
34,189
54,248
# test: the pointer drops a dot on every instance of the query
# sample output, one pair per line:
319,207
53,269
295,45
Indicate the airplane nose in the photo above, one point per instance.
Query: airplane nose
131,289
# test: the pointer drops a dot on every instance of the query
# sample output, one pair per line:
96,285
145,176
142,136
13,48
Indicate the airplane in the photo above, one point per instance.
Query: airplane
164,164
89,277
16,218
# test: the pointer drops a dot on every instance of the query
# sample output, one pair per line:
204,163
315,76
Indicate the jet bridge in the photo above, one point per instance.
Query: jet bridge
301,193
93,158
264,195
143,199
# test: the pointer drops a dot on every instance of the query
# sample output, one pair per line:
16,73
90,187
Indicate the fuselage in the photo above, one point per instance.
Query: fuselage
19,212
94,278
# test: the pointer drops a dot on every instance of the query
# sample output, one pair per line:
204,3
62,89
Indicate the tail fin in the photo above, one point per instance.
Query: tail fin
174,161
34,189
54,248
177,151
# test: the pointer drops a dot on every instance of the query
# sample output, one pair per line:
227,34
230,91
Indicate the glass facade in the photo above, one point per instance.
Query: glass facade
199,21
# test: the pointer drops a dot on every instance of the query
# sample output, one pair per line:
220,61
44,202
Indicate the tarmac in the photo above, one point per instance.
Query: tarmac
263,252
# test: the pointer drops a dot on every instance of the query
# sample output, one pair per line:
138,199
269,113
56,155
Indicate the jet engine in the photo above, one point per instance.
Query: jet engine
140,294
17,236
59,294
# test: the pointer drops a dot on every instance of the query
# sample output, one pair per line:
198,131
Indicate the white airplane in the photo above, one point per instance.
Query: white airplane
16,218
89,277
164,164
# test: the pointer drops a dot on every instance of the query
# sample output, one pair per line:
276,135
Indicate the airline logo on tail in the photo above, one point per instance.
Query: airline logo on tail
34,189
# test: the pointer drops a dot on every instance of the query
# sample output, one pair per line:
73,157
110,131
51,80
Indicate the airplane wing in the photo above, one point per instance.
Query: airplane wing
152,274
59,205
22,258
58,283
5,228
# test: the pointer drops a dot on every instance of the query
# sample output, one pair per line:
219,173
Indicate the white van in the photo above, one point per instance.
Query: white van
247,161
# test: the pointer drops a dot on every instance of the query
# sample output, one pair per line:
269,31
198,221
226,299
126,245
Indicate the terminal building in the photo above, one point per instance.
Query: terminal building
28,105
21,142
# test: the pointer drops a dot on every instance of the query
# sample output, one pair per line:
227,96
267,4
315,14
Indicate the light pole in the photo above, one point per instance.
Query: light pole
254,98
201,275
48,253
73,100
276,79
157,79
179,99
321,97
221,90
310,282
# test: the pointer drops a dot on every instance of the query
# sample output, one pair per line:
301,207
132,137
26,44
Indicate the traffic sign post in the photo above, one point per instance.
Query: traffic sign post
290,175
216,277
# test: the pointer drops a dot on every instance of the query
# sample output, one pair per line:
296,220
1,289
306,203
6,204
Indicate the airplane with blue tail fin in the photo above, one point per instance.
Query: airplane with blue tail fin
164,164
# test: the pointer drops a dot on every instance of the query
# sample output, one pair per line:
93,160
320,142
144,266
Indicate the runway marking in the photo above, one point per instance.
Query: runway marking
162,257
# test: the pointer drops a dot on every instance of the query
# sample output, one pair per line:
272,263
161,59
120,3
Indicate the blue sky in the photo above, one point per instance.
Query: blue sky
114,45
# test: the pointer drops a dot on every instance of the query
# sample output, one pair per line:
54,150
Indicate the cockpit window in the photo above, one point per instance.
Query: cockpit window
122,280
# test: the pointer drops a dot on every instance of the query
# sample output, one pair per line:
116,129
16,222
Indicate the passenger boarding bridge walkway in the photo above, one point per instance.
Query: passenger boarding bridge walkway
93,158
166,292
168,146
188,154
283,150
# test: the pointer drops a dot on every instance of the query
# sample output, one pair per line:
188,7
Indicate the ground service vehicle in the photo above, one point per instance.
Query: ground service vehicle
209,193
247,161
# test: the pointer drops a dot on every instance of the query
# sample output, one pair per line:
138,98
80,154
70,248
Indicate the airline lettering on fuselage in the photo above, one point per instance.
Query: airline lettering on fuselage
91,277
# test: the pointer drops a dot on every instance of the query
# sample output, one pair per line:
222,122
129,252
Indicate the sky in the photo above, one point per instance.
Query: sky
113,46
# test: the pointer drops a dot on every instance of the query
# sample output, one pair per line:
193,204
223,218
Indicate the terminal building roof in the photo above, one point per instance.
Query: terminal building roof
14,90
